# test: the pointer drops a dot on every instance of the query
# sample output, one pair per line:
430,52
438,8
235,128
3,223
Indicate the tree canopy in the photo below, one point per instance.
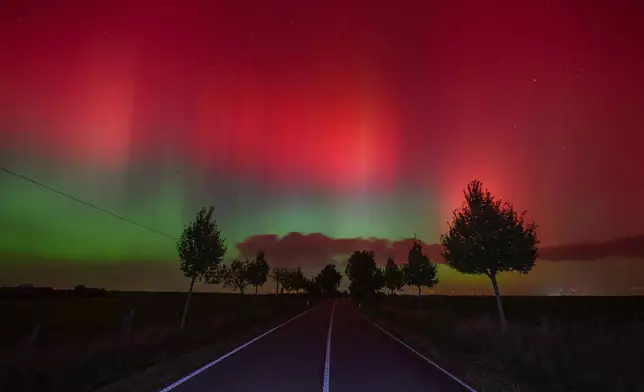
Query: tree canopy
394,276
257,272
235,275
366,279
419,270
201,247
486,236
329,279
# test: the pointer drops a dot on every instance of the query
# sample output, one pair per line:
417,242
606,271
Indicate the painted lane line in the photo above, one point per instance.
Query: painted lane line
327,359
216,361
437,366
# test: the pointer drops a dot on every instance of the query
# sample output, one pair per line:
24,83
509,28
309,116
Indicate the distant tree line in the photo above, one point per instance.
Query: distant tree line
485,237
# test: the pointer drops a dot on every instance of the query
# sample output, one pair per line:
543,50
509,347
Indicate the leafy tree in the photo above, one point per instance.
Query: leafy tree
293,280
378,280
201,250
277,275
236,275
394,276
329,279
486,237
312,287
419,270
258,271
365,278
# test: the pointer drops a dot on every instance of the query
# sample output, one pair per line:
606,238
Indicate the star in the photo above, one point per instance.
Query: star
534,80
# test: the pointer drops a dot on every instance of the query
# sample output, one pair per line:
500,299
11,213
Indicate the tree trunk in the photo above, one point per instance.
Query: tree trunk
499,305
420,299
185,308
256,287
241,290
277,287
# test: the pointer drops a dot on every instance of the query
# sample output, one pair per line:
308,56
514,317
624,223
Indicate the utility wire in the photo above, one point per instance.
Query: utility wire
88,204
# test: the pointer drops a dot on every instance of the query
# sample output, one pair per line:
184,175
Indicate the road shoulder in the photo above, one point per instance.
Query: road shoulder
160,375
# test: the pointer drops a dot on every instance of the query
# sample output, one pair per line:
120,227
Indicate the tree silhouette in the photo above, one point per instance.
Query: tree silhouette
201,249
486,237
312,287
365,278
277,275
394,276
236,275
419,270
258,271
293,279
329,280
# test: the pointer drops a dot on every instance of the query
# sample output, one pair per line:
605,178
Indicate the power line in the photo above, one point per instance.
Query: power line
88,204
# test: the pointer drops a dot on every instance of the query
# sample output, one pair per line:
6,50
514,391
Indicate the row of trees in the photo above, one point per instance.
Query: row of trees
243,273
202,248
367,279
485,237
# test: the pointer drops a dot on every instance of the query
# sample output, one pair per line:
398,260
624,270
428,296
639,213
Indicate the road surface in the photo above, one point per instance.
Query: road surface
331,348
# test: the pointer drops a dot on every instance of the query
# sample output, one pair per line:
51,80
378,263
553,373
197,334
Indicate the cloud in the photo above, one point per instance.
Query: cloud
626,247
316,249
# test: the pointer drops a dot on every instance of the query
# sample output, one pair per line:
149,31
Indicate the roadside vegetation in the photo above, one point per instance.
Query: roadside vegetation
551,343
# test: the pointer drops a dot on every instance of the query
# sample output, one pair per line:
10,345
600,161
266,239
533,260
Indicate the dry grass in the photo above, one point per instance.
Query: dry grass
590,349
82,346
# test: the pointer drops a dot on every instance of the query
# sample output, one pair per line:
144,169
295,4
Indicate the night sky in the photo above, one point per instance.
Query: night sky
328,120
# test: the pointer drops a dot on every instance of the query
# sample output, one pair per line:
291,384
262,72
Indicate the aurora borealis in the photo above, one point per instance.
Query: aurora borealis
347,119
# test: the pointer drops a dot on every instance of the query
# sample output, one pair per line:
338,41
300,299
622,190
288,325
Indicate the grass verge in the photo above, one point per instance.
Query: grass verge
546,354
152,355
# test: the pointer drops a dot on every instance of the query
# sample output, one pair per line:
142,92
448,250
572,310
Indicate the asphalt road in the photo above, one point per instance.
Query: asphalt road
356,355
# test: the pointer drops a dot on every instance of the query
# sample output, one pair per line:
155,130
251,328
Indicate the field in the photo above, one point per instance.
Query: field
79,344
552,343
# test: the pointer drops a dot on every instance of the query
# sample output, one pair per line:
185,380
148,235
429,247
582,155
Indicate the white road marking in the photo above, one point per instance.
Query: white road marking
216,361
327,359
437,366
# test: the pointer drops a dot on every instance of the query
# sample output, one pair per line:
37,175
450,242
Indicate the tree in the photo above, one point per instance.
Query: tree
486,237
293,279
201,249
258,271
378,280
394,276
277,275
236,275
365,278
419,270
329,279
312,287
